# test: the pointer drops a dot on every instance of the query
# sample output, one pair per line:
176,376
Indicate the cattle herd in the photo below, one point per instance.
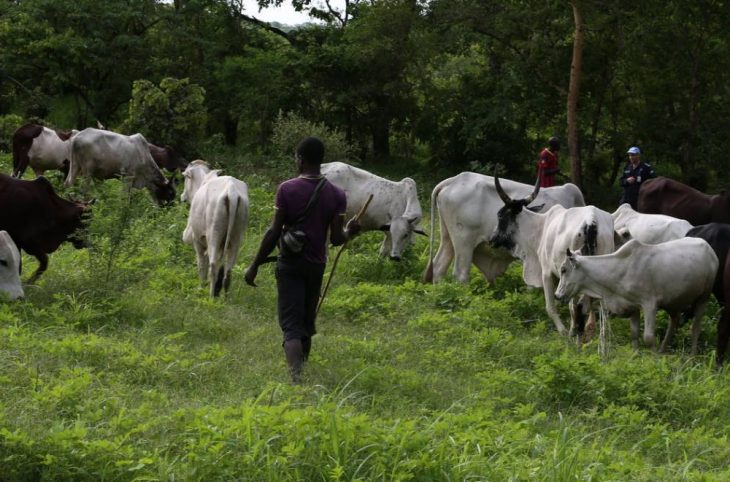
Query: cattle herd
670,255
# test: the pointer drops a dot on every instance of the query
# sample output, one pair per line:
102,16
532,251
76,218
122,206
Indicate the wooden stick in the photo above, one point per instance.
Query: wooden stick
337,257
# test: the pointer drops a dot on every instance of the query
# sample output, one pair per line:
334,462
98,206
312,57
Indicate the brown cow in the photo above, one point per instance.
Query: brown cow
718,237
666,196
167,158
37,219
40,148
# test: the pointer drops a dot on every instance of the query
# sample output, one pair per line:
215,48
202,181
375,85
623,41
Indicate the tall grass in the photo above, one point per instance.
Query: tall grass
118,366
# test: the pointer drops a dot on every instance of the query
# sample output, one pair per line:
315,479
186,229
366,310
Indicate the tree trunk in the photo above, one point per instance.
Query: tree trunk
381,141
576,67
230,130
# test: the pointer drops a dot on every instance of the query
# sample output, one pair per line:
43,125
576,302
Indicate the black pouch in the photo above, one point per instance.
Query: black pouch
292,242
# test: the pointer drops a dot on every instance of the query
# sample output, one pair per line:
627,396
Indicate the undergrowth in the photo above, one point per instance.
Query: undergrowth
118,366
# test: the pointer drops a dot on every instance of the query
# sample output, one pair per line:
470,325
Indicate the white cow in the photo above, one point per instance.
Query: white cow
9,268
41,148
10,285
104,154
217,222
647,228
394,209
468,205
675,276
541,240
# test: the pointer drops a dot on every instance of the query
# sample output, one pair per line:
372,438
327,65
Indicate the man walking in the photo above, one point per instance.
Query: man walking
310,205
634,175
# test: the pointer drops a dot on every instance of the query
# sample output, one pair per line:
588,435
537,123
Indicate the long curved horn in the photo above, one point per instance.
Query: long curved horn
532,196
503,195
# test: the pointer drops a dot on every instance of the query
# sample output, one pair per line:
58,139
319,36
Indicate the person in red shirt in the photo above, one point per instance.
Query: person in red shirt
547,166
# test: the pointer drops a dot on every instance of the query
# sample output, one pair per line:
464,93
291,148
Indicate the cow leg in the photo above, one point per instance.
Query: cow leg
42,266
650,327
202,258
216,281
635,321
548,285
385,246
674,321
723,333
462,266
73,172
699,312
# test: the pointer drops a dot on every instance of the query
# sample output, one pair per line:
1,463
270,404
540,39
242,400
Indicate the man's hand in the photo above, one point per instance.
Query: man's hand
631,180
250,275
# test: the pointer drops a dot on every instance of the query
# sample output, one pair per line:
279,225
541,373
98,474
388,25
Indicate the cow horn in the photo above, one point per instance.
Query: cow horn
503,195
532,196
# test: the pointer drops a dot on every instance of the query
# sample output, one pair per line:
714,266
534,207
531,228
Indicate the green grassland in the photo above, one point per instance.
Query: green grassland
118,366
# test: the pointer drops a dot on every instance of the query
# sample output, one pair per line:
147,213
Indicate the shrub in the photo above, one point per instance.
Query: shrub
8,124
291,128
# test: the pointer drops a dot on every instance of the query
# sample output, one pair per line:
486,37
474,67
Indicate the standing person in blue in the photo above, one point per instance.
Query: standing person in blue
299,276
634,175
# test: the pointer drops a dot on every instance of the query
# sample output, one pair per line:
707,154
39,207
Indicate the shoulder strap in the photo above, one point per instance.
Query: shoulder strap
312,200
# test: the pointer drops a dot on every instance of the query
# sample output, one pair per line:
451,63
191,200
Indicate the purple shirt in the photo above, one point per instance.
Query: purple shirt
291,199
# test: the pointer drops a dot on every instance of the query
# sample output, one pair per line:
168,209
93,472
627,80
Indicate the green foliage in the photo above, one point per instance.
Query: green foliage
172,114
290,129
8,124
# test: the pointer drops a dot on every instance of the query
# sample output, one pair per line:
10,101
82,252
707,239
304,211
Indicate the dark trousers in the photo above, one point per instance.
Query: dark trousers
298,283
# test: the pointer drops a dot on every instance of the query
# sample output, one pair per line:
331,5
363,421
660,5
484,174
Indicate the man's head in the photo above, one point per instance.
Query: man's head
634,154
554,144
310,152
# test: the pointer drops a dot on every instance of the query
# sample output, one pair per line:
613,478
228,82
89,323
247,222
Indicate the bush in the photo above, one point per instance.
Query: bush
8,124
291,128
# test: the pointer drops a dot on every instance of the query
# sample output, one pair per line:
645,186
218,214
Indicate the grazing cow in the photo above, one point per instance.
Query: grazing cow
540,241
718,237
40,148
468,205
104,154
674,276
395,209
38,219
10,286
217,222
167,158
666,196
647,228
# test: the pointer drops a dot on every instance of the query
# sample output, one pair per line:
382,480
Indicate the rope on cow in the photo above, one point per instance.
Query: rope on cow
337,257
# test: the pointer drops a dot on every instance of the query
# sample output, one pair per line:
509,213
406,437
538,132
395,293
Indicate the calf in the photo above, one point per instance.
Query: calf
647,228
541,240
10,285
217,222
674,276
395,208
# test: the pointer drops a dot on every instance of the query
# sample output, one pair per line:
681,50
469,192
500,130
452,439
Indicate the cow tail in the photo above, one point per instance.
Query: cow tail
428,274
232,217
590,236
20,155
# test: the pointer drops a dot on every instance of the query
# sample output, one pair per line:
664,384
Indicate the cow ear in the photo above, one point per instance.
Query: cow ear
537,208
420,231
384,227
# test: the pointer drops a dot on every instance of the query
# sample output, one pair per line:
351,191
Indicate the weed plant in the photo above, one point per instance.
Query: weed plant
118,366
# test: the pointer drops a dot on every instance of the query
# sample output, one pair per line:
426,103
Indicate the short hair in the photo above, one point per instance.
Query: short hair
311,151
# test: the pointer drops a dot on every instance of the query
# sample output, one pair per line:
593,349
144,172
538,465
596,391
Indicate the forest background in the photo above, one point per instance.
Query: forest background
462,85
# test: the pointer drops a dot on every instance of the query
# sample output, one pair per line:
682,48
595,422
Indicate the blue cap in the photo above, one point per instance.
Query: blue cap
634,150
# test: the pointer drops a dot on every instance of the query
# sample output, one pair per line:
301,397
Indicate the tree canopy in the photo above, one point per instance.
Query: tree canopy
465,84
